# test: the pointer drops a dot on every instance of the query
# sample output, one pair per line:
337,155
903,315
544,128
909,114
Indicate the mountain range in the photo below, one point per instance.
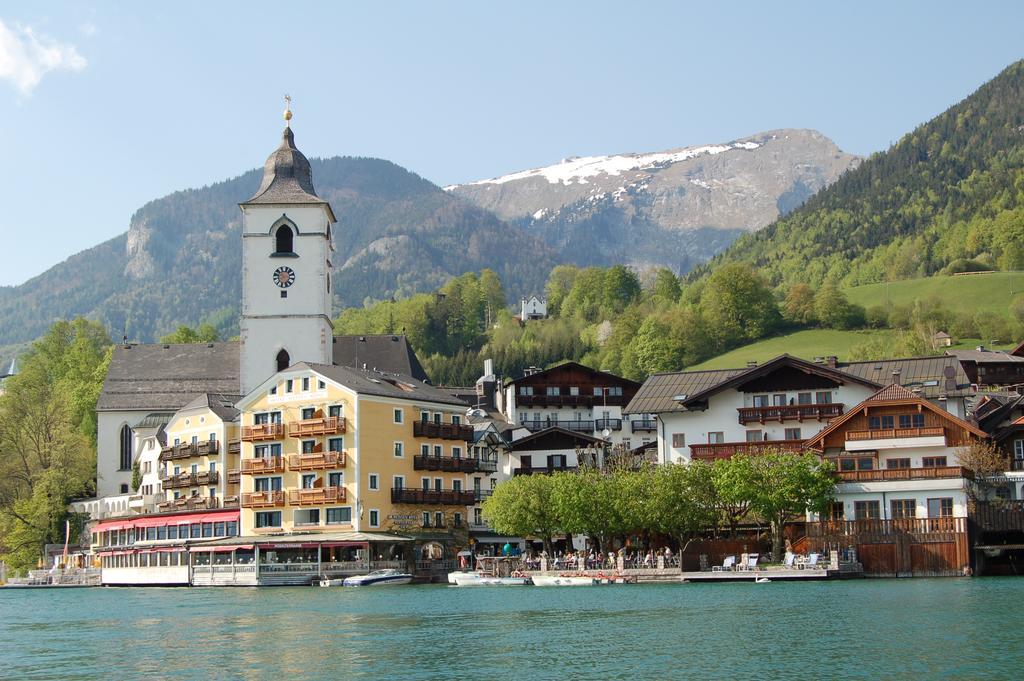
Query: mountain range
180,260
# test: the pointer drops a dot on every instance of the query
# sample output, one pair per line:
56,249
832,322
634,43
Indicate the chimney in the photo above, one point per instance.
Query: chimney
831,361
896,376
486,387
488,367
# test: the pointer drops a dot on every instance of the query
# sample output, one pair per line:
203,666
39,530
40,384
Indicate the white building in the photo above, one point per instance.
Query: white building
533,308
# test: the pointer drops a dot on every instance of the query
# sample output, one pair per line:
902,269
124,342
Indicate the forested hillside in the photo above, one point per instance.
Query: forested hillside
947,197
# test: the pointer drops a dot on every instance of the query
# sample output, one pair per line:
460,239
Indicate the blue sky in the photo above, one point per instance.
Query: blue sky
108,106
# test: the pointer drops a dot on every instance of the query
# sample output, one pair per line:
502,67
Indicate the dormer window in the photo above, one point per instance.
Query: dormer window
284,240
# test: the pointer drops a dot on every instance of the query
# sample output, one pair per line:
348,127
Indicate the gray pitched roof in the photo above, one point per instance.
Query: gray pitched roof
386,352
984,356
287,177
221,405
154,420
167,377
934,376
368,382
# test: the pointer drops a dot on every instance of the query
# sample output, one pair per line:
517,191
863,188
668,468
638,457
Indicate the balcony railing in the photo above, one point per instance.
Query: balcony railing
451,464
894,433
190,479
269,464
790,412
188,450
188,504
1017,464
231,501
481,494
331,425
234,447
411,495
889,474
541,470
578,426
726,450
316,496
886,527
572,400
444,431
263,499
645,424
608,424
316,461
234,475
263,431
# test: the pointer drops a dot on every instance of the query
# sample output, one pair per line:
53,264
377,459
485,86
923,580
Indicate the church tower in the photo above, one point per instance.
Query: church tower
286,269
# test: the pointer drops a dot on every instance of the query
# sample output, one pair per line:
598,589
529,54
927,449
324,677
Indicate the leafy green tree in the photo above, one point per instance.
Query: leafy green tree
732,480
621,287
666,287
560,282
654,348
205,333
525,506
798,307
834,311
737,305
682,500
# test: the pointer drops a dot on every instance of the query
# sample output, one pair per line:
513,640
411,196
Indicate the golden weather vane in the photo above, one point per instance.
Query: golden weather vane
287,110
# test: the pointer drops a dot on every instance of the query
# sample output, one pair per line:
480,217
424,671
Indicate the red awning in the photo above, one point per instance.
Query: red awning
223,549
158,521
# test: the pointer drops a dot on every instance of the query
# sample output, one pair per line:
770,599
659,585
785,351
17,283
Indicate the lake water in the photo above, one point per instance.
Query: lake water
942,628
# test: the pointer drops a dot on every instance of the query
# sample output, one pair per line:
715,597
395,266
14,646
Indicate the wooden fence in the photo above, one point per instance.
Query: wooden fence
913,547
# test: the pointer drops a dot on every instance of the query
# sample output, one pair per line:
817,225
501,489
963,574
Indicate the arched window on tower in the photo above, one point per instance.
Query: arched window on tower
284,238
127,442
283,360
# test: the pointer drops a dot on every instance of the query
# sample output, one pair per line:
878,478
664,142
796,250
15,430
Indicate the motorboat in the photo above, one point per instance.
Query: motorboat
327,581
563,580
453,576
379,578
474,579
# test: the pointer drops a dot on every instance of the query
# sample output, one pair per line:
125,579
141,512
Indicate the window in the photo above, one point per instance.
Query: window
933,462
439,519
437,417
424,450
716,438
336,444
525,390
426,484
837,511
884,422
478,516
678,440
335,410
574,390
339,516
308,446
866,510
398,482
308,480
456,452
127,445
283,239
893,464
124,488
553,391
438,484
457,519
903,508
911,420
307,516
336,479
1018,449
305,384
803,398
438,451
823,397
283,360
218,529
456,419
374,518
793,434
398,415
754,436
760,400
456,485
778,400
426,519
320,385
374,481
399,449
860,463
940,508
289,386
308,413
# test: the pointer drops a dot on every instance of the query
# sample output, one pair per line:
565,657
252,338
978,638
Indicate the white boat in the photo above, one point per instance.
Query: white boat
379,578
453,576
473,579
559,580
327,581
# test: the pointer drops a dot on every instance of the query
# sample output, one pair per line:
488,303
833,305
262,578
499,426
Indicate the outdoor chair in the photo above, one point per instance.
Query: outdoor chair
751,562
727,565
790,560
812,561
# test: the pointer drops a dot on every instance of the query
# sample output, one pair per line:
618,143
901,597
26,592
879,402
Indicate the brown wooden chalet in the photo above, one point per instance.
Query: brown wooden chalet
573,385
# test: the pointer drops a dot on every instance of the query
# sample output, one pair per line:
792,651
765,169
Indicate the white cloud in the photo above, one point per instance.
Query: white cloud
88,29
27,56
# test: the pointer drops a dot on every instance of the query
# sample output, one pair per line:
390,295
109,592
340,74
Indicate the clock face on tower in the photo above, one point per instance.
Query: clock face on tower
284,276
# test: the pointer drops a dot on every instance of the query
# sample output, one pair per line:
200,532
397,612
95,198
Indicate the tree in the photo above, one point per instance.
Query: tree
621,287
834,311
737,305
989,464
798,308
681,500
559,283
654,348
206,333
731,479
666,287
525,506
783,486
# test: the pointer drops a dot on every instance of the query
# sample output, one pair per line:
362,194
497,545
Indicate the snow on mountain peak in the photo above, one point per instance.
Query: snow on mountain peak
577,169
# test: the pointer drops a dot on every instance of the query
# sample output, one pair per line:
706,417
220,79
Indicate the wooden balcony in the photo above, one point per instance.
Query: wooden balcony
450,464
190,479
234,476
894,433
188,450
411,495
264,431
263,499
879,528
188,504
727,450
894,474
577,426
443,431
234,447
572,400
330,425
790,412
270,464
649,425
316,496
230,501
316,461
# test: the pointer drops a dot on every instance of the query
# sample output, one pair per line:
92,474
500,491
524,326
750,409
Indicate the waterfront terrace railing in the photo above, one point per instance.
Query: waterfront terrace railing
443,431
316,496
887,474
331,425
451,464
268,464
726,450
790,412
263,499
644,424
263,431
892,433
316,461
412,495
886,527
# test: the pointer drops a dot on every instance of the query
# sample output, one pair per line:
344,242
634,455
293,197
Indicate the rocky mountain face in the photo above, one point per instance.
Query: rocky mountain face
180,261
674,208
